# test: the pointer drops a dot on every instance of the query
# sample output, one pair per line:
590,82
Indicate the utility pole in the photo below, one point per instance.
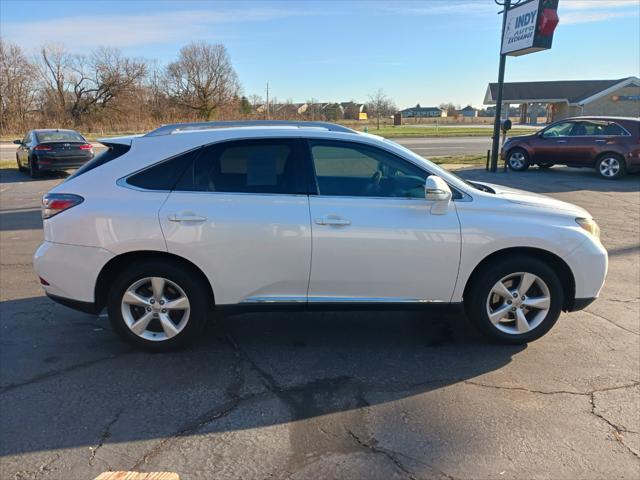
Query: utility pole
496,121
266,111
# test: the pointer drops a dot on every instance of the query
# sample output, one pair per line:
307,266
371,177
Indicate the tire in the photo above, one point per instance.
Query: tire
611,166
20,167
545,166
481,301
518,160
34,171
154,333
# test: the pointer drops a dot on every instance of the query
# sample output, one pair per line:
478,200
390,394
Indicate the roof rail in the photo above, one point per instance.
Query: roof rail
182,127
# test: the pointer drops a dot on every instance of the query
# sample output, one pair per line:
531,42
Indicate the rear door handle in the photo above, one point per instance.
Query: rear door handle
561,141
186,217
602,140
332,220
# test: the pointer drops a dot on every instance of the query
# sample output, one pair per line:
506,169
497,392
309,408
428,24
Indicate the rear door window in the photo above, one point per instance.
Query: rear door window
247,166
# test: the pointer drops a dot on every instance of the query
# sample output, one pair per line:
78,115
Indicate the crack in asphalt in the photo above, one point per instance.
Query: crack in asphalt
104,437
611,322
60,371
393,457
618,431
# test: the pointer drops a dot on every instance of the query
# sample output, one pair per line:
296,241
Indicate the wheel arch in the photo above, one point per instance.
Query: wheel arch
558,264
116,264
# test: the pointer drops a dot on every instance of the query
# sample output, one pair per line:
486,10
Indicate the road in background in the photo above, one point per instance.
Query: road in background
425,146
378,395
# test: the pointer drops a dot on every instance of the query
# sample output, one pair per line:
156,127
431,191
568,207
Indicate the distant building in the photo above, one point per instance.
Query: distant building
422,112
468,111
353,111
572,97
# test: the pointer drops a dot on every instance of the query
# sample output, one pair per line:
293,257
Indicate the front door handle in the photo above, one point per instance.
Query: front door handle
186,217
332,220
602,140
561,141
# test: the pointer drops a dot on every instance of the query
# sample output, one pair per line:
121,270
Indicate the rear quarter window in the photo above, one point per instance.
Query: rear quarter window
163,175
113,151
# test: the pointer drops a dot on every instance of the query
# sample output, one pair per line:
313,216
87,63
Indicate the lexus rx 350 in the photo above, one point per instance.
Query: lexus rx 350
164,228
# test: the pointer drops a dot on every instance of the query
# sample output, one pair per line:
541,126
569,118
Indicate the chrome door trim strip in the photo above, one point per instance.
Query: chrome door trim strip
271,299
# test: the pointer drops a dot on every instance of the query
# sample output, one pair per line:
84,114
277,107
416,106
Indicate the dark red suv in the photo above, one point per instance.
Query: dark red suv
611,145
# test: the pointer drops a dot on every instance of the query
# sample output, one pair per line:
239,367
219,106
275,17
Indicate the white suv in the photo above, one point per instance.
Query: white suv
166,227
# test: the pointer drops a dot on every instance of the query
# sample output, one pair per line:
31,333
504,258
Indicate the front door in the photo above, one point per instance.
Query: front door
374,236
553,145
241,213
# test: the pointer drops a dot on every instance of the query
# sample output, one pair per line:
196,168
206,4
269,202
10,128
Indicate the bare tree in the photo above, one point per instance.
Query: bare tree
202,79
76,85
17,86
450,108
380,106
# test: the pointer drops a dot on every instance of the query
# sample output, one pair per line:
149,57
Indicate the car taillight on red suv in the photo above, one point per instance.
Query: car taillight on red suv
54,203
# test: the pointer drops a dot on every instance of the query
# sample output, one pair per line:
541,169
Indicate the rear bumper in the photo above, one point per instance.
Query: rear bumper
50,162
70,270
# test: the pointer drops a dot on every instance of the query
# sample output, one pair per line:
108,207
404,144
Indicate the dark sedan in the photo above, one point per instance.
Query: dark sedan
611,145
52,150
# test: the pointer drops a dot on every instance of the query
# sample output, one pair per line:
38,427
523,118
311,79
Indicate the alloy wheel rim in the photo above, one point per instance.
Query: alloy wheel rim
155,308
518,303
516,160
609,167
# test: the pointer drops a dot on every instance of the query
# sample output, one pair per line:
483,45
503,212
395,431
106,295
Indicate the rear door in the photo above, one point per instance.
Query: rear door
241,213
374,236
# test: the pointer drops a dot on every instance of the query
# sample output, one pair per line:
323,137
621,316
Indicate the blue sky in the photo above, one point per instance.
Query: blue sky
426,51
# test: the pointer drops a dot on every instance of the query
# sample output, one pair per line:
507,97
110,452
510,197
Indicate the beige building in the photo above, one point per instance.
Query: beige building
561,99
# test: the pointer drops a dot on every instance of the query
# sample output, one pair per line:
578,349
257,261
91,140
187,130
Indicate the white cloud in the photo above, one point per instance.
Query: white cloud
588,11
85,32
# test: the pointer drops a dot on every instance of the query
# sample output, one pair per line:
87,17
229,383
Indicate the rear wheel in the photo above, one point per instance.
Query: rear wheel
611,166
34,171
515,301
158,306
518,160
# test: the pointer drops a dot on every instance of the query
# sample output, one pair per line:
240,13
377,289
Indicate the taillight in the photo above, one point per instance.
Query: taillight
86,146
42,147
54,203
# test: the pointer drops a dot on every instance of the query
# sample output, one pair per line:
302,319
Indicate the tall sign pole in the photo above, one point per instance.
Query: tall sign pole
527,27
496,122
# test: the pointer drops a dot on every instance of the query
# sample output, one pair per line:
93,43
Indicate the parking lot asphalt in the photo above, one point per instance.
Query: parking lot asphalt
378,395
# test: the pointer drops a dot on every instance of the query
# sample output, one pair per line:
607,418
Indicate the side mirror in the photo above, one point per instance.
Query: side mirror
18,142
436,190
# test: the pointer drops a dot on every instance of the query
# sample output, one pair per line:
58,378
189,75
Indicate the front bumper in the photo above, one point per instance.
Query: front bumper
70,270
589,263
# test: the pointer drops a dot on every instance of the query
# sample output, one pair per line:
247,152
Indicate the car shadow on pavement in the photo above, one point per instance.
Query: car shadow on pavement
26,218
68,381
554,180
13,175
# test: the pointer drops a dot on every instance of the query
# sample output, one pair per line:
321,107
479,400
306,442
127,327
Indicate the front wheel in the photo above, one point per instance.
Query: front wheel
611,167
515,300
518,160
158,306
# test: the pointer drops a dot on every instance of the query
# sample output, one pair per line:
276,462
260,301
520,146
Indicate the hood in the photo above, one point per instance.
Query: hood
530,199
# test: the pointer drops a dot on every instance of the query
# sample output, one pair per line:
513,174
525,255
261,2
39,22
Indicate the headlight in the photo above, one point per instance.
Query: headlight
590,225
